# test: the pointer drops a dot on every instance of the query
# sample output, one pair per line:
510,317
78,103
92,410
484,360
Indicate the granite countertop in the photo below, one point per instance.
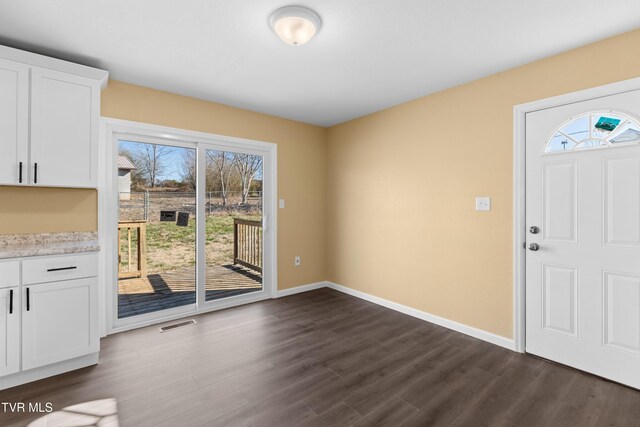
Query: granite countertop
26,245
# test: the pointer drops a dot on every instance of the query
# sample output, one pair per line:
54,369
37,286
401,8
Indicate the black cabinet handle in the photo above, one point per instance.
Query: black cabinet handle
35,173
28,302
62,268
20,174
10,301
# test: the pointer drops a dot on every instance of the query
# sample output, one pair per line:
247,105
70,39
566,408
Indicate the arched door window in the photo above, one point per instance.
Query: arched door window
598,129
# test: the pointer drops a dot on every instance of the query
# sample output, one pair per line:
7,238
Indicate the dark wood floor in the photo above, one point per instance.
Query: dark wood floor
323,358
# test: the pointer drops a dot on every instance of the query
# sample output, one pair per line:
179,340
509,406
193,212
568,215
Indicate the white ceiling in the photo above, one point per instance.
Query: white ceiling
369,54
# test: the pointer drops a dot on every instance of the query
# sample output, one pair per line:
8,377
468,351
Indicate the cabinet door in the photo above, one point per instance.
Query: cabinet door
9,331
59,321
9,273
64,129
14,121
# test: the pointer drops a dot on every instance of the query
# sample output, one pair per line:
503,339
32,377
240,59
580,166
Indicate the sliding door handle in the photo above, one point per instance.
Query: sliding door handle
10,301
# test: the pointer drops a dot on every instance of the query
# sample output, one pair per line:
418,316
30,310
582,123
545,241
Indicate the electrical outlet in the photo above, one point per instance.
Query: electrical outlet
297,261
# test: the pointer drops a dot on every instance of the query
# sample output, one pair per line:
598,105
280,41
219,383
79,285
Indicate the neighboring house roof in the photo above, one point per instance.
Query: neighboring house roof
125,163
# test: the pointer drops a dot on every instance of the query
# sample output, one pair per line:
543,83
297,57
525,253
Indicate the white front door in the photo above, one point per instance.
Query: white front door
583,256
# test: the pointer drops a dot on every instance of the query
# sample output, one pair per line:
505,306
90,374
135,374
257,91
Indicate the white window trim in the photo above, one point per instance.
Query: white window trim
519,196
107,213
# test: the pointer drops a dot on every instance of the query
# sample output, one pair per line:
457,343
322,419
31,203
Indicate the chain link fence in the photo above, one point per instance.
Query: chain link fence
146,205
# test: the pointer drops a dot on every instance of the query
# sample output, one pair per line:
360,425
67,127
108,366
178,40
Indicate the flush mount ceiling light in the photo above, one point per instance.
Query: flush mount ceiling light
295,25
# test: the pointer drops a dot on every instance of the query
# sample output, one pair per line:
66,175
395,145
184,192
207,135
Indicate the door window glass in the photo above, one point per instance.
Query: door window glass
599,129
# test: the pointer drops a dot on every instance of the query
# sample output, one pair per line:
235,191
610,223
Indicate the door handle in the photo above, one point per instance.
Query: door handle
28,302
20,173
10,301
534,246
61,269
35,173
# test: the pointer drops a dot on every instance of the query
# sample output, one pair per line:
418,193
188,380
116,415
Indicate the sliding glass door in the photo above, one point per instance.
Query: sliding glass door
233,232
191,229
156,228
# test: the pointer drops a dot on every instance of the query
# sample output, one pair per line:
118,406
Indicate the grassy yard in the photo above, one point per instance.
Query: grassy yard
170,247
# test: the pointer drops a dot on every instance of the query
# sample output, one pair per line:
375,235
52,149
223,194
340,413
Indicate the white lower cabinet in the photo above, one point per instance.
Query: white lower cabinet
48,316
9,331
58,321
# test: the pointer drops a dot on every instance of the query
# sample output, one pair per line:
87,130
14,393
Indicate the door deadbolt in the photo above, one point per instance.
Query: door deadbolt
534,230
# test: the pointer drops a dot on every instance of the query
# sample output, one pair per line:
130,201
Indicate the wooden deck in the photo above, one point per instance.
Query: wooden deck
177,288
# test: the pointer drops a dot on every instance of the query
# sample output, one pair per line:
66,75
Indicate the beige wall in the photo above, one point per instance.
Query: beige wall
47,210
402,185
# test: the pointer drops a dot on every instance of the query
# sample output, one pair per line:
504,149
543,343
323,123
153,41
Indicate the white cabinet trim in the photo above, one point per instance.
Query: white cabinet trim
33,59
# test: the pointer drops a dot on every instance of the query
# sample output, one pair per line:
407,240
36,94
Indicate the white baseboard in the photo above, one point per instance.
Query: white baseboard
441,321
302,288
450,324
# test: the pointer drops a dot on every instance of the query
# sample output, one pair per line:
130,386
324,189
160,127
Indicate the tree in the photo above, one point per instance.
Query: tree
220,163
247,166
151,161
188,168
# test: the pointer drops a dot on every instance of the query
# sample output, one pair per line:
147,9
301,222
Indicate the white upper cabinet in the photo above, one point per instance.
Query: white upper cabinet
64,129
14,122
49,117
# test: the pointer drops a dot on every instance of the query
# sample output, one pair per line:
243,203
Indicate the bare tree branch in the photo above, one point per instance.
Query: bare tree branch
220,163
188,168
151,161
247,166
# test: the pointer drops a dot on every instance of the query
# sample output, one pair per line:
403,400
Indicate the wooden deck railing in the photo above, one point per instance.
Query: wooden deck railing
247,243
140,228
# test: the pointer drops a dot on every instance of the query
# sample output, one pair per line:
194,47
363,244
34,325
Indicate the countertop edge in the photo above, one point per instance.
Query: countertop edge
60,248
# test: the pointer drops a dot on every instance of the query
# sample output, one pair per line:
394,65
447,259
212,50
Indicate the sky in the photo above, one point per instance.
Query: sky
173,160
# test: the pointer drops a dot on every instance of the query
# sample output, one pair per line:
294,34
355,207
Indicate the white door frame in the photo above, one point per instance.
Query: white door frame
108,213
519,196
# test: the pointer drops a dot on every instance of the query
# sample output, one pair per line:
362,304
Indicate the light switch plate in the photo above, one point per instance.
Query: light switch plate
483,204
